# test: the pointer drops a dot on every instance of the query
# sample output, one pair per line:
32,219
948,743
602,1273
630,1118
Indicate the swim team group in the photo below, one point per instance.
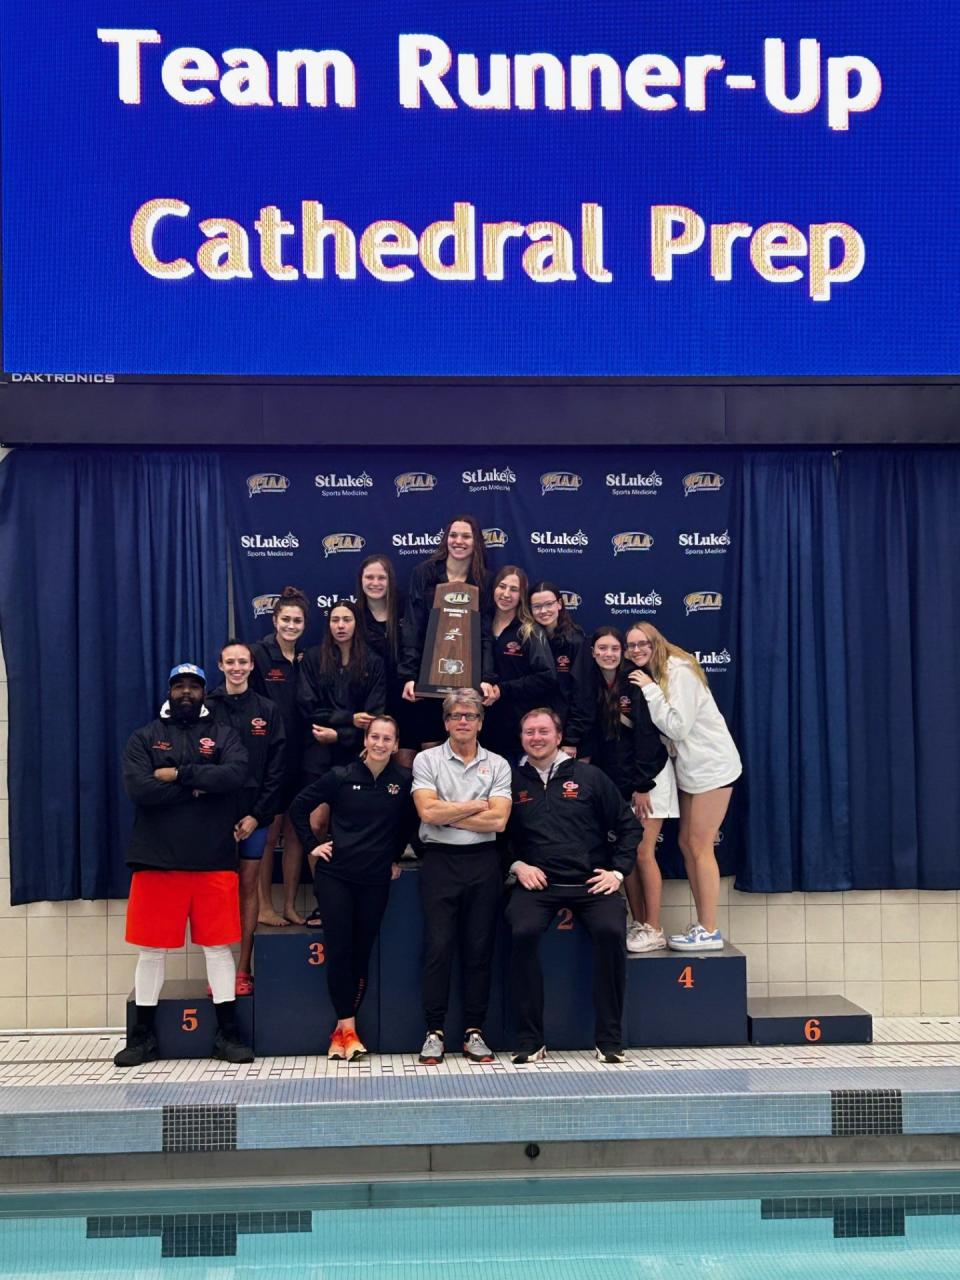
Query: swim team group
554,775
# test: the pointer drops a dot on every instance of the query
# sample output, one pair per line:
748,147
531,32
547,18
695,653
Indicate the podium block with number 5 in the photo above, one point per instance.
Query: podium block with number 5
677,998
186,1021
292,1009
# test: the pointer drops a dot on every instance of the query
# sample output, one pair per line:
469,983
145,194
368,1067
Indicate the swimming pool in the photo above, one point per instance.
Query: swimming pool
728,1228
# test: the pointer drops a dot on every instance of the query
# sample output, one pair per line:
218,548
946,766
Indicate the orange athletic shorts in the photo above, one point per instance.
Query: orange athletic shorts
161,903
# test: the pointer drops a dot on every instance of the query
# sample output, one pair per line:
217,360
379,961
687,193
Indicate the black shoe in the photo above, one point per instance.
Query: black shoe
611,1054
142,1046
229,1050
523,1056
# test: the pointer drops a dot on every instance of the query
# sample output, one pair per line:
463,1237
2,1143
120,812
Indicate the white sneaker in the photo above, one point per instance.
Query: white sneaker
644,937
696,938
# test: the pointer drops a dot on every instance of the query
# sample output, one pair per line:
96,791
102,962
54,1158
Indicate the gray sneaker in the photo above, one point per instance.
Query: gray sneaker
475,1048
431,1055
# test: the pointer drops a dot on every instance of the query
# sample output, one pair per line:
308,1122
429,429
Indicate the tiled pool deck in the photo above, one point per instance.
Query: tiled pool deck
60,1095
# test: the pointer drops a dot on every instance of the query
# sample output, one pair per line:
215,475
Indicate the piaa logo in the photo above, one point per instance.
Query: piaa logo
267,482
703,602
560,482
263,605
336,543
493,538
702,482
571,599
632,541
414,482
456,597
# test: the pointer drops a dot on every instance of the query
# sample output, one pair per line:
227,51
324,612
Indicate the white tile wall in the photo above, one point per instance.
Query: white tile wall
896,952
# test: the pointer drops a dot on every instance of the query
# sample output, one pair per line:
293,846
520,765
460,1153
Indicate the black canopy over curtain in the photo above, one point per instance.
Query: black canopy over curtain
114,568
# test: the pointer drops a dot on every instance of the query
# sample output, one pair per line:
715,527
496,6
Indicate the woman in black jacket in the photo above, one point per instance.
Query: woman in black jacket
572,660
526,675
258,724
381,611
459,558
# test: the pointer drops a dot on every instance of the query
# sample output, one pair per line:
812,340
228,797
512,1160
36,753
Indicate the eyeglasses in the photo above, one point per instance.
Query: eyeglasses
640,644
463,715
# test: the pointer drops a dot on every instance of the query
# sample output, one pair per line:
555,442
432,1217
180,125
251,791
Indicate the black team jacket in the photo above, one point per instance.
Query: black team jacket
258,724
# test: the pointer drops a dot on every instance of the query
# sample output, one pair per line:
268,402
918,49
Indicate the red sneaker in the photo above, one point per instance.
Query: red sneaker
353,1046
244,985
335,1053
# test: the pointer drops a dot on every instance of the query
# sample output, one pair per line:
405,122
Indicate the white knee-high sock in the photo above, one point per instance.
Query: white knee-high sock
221,973
148,978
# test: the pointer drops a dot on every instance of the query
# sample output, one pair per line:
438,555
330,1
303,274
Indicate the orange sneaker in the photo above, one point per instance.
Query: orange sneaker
353,1046
244,985
335,1053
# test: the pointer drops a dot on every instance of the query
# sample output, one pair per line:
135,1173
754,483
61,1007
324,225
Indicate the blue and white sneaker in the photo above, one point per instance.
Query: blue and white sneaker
696,938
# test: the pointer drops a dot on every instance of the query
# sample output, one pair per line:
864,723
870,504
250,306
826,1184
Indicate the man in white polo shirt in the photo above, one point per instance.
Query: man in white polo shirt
462,793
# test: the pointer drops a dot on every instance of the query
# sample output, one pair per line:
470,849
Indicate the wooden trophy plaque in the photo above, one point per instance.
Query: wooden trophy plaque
452,652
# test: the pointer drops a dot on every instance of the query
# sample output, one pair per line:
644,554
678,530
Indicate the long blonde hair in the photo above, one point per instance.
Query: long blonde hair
662,650
523,614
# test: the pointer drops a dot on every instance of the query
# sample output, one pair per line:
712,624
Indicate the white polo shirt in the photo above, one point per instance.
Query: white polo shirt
440,769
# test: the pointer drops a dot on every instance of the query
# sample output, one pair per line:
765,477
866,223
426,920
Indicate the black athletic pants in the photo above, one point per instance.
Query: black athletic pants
604,917
460,892
351,921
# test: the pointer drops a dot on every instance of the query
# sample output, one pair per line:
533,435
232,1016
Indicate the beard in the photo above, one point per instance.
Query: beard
185,712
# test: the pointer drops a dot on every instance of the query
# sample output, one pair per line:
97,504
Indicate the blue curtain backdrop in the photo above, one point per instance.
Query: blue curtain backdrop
900,520
114,567
791,724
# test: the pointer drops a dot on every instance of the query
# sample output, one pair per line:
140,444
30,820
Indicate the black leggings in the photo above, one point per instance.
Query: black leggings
351,921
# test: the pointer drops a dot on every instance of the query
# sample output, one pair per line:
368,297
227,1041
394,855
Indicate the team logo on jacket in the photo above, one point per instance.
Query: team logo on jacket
625,702
207,746
414,482
563,662
494,538
336,543
560,482
263,605
512,649
703,601
571,790
631,541
161,746
393,788
276,675
258,726
524,797
702,482
267,482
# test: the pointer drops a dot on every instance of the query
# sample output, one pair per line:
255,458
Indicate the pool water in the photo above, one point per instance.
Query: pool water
599,1228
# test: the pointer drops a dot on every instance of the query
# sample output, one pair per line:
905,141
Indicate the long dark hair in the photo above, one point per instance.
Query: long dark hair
565,624
330,650
365,613
608,695
477,573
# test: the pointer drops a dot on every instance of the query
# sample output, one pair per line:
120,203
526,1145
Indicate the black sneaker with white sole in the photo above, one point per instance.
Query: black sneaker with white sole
523,1056
610,1054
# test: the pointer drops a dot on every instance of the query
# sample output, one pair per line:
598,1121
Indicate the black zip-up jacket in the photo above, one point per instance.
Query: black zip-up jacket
413,632
278,679
258,724
635,754
185,825
571,699
332,701
527,678
563,827
371,820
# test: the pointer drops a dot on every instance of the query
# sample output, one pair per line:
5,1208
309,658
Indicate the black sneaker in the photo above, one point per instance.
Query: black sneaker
523,1056
142,1046
610,1055
229,1050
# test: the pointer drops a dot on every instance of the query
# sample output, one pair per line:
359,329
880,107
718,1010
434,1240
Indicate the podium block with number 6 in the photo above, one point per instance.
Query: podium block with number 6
186,1021
292,1009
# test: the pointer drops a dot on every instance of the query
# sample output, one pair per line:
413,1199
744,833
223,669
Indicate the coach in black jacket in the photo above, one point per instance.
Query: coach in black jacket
563,813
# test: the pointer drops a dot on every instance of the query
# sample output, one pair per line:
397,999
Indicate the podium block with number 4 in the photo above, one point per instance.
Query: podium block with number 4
677,998
186,1022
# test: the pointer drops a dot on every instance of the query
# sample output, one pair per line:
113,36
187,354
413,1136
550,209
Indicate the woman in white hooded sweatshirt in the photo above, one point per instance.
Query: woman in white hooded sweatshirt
707,764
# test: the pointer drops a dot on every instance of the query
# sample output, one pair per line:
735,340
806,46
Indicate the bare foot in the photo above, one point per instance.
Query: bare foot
293,916
269,916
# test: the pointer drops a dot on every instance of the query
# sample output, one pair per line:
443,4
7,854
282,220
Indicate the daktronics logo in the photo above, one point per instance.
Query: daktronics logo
408,544
337,543
570,544
571,599
487,478
273,544
63,377
328,601
632,541
633,602
333,486
704,544
633,484
560,482
263,605
702,482
414,482
714,661
494,538
703,602
267,482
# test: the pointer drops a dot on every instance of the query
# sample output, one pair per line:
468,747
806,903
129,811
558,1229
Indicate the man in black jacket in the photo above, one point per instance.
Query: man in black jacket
563,813
183,772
